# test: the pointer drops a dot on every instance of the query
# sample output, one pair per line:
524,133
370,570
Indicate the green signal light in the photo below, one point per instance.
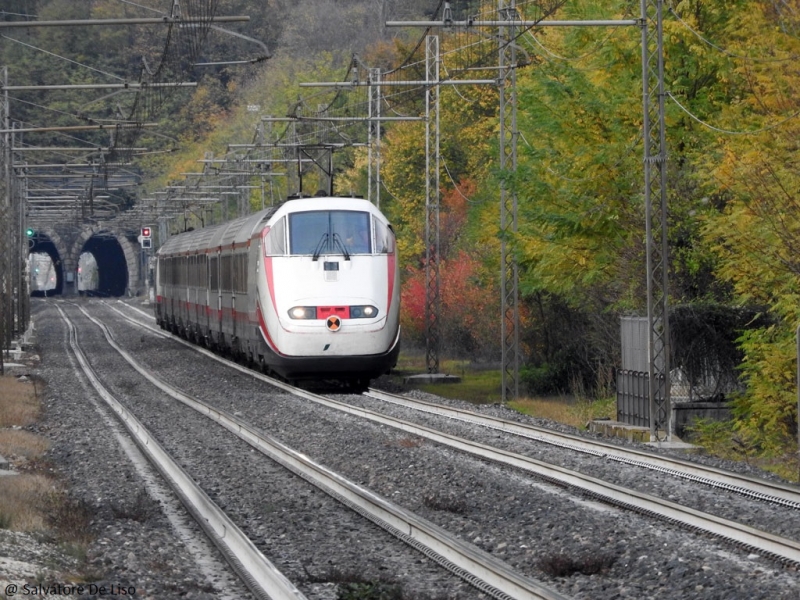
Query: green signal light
29,232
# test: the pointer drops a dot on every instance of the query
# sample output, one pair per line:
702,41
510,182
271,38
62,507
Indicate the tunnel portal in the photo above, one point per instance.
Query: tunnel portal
112,267
105,258
47,276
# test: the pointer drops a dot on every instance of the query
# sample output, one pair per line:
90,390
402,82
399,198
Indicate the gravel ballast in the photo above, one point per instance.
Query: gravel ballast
534,526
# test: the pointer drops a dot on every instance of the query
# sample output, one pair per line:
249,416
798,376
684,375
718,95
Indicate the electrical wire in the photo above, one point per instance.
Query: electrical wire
722,50
728,131
42,50
453,181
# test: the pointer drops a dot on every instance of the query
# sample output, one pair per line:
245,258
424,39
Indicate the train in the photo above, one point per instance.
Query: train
306,291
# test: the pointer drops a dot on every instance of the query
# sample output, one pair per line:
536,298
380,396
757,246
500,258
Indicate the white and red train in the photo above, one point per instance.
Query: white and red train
307,290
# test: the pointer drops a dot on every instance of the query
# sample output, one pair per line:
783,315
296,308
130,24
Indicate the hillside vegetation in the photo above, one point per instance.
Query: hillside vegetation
732,105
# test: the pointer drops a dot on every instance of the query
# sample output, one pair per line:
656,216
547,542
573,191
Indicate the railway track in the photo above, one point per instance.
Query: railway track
762,542
256,571
761,489
481,570
408,433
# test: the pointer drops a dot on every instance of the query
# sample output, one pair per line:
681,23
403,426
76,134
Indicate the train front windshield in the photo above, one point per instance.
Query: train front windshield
330,232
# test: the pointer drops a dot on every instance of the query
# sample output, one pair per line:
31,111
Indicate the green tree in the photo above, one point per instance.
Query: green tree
753,221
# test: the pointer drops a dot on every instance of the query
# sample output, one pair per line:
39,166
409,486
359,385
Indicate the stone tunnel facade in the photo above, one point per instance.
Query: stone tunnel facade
70,244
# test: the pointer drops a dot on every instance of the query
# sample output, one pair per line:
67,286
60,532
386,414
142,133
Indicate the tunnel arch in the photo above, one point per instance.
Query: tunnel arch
118,257
117,267
45,242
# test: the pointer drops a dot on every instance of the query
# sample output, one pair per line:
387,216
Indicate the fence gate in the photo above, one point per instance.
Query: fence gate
633,380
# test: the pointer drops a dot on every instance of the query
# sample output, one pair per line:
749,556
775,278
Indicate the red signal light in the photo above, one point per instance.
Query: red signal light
145,232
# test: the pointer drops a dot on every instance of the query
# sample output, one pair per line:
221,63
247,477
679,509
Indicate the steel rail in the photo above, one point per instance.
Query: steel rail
781,549
132,21
777,493
479,568
259,574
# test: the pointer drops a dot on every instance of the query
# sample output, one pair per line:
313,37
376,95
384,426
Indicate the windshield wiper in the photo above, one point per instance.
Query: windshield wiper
318,250
338,240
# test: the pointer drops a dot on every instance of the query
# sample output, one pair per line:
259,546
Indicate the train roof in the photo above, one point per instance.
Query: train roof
231,232
328,203
239,231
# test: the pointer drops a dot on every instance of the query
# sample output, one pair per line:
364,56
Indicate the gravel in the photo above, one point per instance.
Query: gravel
142,540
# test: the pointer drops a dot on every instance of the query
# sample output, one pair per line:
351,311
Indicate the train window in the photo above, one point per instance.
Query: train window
214,273
226,279
203,271
384,237
330,232
240,273
234,266
275,240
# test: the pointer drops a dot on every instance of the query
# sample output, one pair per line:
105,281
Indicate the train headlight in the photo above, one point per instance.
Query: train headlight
303,312
363,312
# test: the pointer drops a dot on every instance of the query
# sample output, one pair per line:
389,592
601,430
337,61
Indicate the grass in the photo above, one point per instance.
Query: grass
24,502
720,438
32,501
20,404
19,445
19,407
24,498
481,384
570,411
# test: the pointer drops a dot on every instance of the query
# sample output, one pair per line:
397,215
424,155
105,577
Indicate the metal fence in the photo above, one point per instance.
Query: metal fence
633,397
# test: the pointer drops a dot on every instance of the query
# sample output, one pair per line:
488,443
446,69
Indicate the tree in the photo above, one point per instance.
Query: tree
753,219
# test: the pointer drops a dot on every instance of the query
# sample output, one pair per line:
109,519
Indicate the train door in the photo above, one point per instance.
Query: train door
226,285
205,294
234,287
187,287
251,267
173,283
194,283
185,293
215,297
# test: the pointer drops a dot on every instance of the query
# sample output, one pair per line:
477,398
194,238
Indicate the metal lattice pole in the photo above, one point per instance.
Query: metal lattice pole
655,196
374,145
509,276
432,297
19,191
6,225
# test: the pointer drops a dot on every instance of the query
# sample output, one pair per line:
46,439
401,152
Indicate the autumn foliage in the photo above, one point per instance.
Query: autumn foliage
469,302
469,309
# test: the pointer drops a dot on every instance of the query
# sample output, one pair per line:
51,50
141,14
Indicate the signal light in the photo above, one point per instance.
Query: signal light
144,239
29,232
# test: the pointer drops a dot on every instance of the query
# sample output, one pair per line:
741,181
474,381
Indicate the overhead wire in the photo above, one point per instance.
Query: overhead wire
393,102
734,56
729,131
74,62
453,181
709,43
